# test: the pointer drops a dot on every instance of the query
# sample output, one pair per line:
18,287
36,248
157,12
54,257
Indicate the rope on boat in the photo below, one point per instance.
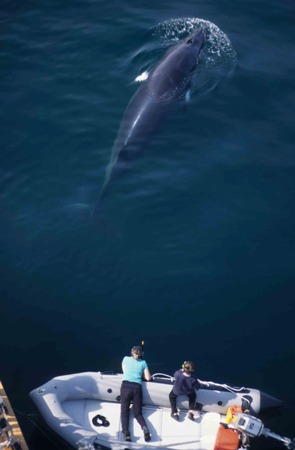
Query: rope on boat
163,376
235,390
224,386
204,383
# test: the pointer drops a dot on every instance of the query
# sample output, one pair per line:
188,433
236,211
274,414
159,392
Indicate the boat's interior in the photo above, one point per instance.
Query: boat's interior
104,418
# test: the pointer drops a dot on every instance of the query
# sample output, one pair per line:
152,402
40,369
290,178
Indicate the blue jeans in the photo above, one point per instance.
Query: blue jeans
131,392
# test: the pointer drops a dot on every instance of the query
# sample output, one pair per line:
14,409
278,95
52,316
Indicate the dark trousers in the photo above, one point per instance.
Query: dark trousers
131,392
191,400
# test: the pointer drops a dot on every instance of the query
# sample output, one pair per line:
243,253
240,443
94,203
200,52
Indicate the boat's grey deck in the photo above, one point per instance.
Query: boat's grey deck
165,431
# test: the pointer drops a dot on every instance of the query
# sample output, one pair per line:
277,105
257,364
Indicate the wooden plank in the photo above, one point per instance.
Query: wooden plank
12,421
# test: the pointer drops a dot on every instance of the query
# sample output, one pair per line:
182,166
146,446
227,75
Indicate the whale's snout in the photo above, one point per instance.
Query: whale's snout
196,39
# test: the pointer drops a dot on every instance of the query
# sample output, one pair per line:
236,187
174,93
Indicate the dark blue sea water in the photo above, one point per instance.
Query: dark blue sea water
199,259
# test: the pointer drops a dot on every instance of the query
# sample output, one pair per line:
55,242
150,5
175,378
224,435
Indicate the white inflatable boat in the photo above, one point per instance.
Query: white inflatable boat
83,410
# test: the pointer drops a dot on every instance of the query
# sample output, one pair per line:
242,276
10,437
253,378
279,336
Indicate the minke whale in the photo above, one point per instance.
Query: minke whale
152,103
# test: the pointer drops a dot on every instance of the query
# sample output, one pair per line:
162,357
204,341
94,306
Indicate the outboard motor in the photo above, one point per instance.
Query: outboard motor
250,426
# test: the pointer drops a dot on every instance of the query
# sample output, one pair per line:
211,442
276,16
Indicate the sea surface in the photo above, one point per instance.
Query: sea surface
195,254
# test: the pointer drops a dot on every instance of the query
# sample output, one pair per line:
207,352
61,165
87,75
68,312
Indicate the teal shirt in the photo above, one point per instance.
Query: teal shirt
133,369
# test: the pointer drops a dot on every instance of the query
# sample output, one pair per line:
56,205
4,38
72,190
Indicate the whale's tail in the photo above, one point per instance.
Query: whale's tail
120,162
99,218
103,223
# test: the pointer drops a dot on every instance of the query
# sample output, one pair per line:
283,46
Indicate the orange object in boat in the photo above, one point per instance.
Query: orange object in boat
227,439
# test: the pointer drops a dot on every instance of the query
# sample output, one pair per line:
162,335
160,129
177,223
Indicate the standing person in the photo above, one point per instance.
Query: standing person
184,384
134,369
